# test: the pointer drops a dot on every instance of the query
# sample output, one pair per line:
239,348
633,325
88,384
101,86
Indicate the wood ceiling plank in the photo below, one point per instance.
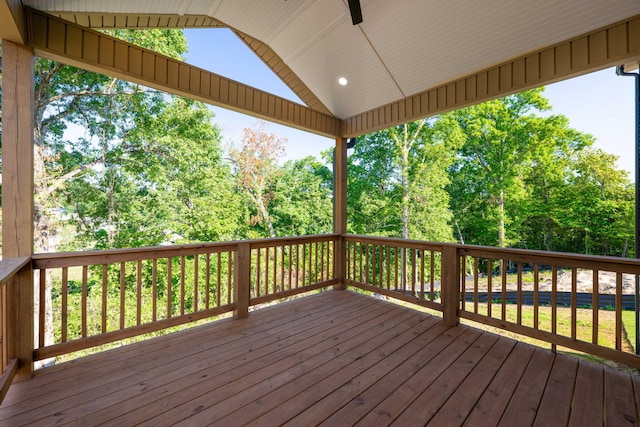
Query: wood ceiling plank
50,40
602,48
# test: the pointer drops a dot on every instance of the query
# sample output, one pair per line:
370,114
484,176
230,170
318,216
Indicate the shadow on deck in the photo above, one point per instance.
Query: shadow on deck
334,358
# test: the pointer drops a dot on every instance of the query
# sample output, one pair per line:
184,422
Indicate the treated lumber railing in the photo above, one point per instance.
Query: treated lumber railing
521,291
287,266
8,361
524,291
105,296
402,269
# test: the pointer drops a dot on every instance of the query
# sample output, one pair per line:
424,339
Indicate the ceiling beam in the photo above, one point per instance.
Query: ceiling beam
12,21
613,45
103,20
100,20
56,39
282,70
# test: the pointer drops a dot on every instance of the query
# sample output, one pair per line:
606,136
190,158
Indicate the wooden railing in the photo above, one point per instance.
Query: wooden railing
407,270
284,267
98,297
541,295
104,296
547,295
8,360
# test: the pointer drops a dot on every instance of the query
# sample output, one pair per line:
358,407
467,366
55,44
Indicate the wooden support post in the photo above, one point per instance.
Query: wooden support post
450,286
340,208
17,197
242,280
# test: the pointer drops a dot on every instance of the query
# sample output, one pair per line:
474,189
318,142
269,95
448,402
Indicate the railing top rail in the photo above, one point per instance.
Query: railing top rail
596,262
68,259
395,241
280,241
10,266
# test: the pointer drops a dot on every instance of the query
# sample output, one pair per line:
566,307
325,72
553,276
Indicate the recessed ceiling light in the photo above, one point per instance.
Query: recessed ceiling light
342,81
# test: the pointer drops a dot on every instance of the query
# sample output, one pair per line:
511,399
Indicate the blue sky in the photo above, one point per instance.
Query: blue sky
601,103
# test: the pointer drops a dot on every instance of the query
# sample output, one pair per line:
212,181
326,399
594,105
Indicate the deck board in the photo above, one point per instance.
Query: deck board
556,400
588,398
333,358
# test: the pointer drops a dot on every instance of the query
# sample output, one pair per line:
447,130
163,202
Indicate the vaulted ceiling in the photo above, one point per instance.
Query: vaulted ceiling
402,49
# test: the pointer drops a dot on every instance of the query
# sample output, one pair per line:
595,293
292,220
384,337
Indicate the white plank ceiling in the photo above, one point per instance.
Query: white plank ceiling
403,46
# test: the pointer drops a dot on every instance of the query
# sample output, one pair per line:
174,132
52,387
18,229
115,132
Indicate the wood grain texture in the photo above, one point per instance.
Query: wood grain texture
333,358
57,39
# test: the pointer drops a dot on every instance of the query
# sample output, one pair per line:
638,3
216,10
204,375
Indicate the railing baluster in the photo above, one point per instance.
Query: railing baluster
405,271
182,284
414,269
169,286
275,270
554,302
422,270
574,302
489,286
282,284
65,296
595,306
388,264
42,306
84,302
304,264
463,283
432,280
504,292
122,293
230,272
154,289
297,265
139,293
104,297
476,272
4,330
219,280
258,281
196,290
322,260
519,295
290,266
536,287
207,281
618,311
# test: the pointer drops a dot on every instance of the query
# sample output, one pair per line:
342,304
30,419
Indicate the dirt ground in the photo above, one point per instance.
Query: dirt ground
584,282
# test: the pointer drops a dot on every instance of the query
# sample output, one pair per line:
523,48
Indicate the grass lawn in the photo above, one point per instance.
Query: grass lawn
584,326
629,325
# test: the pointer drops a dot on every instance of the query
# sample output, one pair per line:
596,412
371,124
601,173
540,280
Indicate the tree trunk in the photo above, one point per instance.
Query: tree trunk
501,220
404,181
42,232
265,215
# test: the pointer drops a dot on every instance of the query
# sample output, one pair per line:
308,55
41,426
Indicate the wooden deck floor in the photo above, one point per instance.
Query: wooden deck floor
335,358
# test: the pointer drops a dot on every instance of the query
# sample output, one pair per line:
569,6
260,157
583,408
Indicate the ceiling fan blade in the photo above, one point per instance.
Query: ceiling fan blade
356,12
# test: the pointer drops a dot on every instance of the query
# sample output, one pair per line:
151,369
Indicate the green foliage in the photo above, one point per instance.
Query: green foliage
397,179
501,173
302,203
505,140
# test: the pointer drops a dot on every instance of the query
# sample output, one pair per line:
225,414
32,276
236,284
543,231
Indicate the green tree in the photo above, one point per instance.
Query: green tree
256,171
67,97
397,179
165,182
98,106
600,217
302,201
505,140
